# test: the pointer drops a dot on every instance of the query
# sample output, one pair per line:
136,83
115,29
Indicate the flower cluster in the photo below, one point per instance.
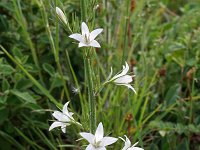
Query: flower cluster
65,118
96,141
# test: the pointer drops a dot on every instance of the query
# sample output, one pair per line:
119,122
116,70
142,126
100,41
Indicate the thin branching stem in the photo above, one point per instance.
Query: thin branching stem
54,48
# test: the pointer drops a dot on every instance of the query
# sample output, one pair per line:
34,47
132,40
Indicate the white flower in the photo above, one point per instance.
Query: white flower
97,141
87,38
64,119
75,90
127,144
61,15
122,78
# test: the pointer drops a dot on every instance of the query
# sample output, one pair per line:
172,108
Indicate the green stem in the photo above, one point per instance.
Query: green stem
91,98
54,48
34,81
83,10
73,74
126,30
22,22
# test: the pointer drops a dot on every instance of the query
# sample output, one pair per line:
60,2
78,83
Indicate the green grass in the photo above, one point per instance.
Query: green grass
40,66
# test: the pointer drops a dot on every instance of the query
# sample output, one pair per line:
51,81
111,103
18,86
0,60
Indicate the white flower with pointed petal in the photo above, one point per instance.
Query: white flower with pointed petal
87,38
64,119
122,78
97,141
127,144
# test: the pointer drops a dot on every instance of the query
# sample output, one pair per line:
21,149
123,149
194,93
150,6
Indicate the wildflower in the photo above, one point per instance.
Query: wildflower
87,38
61,15
64,119
75,90
122,78
97,141
127,145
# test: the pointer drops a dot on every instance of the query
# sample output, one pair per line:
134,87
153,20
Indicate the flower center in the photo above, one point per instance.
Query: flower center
87,39
96,143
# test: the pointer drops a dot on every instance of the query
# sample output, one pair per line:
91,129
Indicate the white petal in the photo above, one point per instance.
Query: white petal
70,114
94,43
94,33
77,37
90,147
135,148
124,72
124,79
60,116
55,124
126,148
108,141
84,29
129,86
82,44
101,148
127,143
122,139
65,108
63,128
88,136
99,132
66,112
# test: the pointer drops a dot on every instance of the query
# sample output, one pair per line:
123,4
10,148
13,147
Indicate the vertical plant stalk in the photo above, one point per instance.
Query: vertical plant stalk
88,74
91,98
83,10
126,30
191,93
55,50
73,74
22,22
107,28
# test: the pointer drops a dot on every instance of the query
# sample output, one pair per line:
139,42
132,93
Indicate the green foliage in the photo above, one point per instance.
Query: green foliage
40,67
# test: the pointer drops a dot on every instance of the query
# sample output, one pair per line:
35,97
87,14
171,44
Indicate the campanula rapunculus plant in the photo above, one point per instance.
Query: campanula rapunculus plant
127,144
97,141
87,38
64,119
122,78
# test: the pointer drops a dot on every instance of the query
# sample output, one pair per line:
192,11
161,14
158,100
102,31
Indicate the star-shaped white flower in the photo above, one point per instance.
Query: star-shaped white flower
97,141
64,119
127,144
122,78
87,38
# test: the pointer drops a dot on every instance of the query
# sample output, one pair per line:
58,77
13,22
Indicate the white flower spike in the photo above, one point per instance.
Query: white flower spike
64,119
127,144
122,78
87,38
97,141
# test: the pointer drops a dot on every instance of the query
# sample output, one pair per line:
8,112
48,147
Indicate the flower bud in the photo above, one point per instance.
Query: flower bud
61,15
